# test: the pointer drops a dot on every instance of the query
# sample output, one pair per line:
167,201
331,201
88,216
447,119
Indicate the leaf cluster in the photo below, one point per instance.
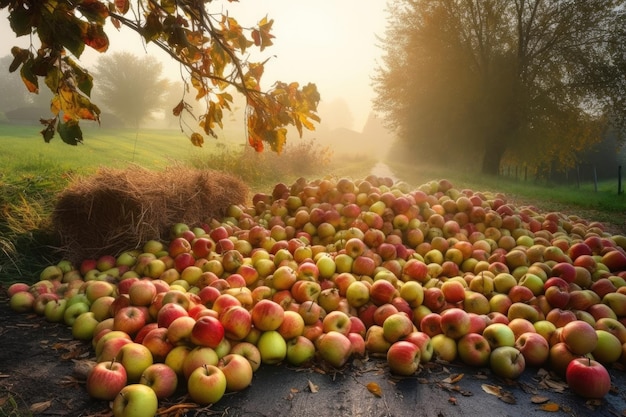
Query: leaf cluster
213,51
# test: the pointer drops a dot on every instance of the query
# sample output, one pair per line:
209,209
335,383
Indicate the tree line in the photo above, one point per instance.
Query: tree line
487,82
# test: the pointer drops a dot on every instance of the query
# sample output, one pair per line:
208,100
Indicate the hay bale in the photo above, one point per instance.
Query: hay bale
116,210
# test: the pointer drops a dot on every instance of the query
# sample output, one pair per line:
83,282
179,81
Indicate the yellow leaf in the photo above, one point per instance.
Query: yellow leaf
552,407
314,388
374,388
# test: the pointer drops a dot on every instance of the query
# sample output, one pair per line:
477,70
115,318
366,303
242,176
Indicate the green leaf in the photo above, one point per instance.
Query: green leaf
84,80
53,78
70,132
71,35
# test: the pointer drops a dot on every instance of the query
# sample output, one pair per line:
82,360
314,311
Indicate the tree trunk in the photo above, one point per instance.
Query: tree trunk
491,159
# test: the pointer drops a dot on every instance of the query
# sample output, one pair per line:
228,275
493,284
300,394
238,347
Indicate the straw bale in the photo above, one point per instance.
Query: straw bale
119,209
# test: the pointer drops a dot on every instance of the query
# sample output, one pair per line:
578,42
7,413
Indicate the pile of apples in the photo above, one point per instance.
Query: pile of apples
323,271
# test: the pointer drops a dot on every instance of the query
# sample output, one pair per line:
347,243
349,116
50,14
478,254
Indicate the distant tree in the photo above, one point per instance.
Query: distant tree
529,80
212,48
13,94
337,114
132,94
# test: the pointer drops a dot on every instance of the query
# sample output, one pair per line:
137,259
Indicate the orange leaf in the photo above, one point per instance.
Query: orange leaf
375,389
551,407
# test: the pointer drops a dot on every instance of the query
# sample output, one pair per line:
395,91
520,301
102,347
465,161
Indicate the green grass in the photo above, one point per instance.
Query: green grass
24,151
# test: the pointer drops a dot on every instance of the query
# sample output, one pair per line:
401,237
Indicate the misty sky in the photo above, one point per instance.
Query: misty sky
328,42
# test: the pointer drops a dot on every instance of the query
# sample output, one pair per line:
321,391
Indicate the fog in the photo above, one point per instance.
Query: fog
332,44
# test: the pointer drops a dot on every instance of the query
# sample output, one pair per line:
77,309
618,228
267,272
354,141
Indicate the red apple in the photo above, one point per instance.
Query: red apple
161,378
207,331
396,327
105,380
580,337
237,370
474,350
403,358
534,347
334,348
267,315
588,378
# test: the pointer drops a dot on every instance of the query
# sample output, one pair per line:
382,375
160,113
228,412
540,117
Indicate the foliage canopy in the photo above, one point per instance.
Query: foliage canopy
211,48
532,81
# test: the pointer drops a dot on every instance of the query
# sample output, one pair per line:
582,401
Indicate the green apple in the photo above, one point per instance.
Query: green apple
136,358
84,326
444,347
272,347
135,400
608,349
207,384
300,351
499,334
507,362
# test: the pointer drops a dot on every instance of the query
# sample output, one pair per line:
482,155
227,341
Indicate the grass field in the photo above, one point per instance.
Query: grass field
32,172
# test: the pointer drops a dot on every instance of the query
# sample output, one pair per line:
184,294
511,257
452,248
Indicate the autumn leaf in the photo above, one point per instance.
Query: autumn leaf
96,38
178,109
94,11
314,388
375,389
122,6
502,394
279,140
551,407
538,399
453,379
19,57
29,79
40,407
168,6
197,139
49,129
266,37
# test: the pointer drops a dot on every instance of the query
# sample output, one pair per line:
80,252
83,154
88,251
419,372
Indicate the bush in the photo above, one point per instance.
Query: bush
259,169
